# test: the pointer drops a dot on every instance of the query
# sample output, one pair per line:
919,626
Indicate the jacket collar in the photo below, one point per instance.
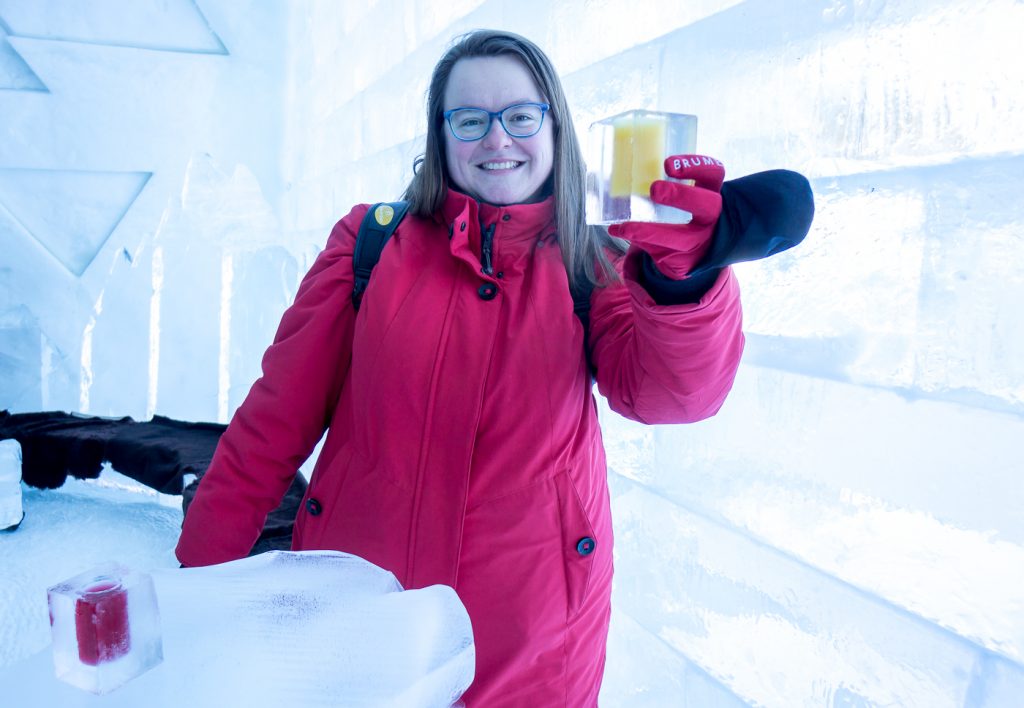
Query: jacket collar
515,222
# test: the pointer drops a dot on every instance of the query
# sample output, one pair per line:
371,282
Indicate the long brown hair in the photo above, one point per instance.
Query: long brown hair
583,248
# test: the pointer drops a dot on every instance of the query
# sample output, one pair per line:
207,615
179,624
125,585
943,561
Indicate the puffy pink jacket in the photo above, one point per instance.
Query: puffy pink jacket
463,444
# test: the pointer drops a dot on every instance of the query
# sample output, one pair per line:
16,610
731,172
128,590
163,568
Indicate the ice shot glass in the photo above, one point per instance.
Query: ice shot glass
627,153
105,626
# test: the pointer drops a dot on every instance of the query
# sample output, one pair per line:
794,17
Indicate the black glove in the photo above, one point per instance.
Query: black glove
762,214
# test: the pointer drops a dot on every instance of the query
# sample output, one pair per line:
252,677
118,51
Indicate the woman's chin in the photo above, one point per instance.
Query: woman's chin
506,197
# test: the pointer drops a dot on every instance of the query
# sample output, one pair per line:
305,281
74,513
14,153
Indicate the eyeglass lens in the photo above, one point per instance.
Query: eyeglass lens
518,121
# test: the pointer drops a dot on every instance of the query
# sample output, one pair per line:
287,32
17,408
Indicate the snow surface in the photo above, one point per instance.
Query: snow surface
310,629
67,531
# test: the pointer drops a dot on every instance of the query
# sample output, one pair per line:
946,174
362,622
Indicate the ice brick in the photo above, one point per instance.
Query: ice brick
643,671
771,629
106,628
10,484
923,511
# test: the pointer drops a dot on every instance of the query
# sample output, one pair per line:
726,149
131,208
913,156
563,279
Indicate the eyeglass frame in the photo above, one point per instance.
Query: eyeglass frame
491,115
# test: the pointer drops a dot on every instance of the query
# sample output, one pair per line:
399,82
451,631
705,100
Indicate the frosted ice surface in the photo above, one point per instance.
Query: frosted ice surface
10,484
317,628
19,365
70,212
260,285
176,25
65,532
14,72
195,337
312,628
774,631
587,32
923,511
642,671
607,88
845,326
911,301
117,333
971,330
39,362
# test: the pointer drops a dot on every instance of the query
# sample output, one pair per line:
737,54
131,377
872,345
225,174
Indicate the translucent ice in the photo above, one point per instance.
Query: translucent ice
312,628
10,484
316,628
106,628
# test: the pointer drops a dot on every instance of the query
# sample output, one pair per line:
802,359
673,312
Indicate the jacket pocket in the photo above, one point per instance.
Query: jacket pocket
579,544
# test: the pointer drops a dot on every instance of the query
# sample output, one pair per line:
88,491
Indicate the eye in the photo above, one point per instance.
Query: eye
523,117
468,122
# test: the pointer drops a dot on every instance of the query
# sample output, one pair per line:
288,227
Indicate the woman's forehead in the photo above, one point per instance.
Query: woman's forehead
490,82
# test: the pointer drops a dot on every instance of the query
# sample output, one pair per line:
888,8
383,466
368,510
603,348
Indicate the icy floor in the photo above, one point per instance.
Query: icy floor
69,530
113,518
267,630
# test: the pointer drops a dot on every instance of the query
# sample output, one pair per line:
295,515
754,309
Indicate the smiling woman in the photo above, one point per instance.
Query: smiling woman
497,166
463,444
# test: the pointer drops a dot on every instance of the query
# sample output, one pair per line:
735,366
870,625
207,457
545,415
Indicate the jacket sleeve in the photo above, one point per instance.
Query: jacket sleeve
285,413
665,363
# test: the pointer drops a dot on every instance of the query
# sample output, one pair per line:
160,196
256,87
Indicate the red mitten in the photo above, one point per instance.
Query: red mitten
677,248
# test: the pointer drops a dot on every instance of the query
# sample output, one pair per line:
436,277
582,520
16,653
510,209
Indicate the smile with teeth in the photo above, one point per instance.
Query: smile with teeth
506,165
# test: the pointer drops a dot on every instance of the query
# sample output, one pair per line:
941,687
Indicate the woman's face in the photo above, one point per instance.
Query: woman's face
497,168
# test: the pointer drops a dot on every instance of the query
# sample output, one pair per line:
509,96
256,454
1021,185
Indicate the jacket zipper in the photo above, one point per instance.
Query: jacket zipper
486,244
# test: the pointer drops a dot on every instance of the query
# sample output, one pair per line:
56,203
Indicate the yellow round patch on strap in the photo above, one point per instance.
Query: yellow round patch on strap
384,214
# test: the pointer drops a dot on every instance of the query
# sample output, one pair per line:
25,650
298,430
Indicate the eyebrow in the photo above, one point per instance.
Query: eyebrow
514,103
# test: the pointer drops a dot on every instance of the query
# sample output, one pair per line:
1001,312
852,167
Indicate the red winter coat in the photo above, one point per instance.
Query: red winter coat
463,443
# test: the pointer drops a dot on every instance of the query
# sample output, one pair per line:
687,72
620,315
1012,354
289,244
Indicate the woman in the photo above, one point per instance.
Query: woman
463,444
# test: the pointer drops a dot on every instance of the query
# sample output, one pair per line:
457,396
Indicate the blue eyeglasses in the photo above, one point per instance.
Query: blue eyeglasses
520,120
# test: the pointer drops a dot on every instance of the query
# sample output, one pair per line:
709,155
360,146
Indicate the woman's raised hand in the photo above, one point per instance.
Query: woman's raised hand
677,248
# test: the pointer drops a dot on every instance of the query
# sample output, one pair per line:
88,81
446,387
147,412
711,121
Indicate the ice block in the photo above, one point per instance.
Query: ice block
10,485
626,153
105,626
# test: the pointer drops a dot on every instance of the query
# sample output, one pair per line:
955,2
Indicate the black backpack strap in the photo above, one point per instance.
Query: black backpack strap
380,222
581,308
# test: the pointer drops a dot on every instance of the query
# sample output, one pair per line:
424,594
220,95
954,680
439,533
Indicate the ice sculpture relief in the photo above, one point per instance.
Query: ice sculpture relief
71,213
173,26
15,74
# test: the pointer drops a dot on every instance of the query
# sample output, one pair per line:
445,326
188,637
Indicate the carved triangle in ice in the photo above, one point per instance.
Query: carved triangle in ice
166,25
15,74
71,213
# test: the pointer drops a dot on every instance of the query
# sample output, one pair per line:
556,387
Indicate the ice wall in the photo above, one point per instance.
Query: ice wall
139,198
846,532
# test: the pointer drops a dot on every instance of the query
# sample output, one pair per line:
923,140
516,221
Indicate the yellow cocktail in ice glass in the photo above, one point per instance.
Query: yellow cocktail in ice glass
637,154
626,153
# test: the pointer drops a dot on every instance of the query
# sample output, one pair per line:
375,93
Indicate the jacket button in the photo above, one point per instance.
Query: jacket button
506,217
586,546
313,507
487,291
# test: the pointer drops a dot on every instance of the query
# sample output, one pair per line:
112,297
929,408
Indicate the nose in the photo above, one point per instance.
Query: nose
496,136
